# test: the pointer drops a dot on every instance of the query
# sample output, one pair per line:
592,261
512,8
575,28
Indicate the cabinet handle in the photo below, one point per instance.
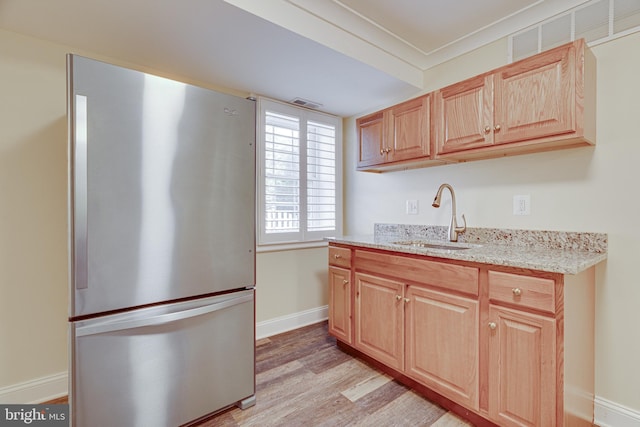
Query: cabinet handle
516,291
497,128
336,256
398,297
382,151
492,325
406,300
345,282
387,150
487,129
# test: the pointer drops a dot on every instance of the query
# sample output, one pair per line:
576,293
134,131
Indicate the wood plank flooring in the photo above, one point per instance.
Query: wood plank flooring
303,379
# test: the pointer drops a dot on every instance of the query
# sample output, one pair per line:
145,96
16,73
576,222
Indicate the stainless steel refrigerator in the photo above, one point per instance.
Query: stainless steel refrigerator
162,248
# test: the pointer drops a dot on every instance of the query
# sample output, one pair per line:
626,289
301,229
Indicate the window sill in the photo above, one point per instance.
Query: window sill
279,247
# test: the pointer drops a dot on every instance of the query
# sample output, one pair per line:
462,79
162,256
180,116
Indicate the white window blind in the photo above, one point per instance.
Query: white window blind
299,174
321,177
282,173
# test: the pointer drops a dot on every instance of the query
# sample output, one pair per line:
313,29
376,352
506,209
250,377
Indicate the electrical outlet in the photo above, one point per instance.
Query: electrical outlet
522,205
412,207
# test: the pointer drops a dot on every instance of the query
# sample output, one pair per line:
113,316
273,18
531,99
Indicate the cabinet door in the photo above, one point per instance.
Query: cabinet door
535,98
409,126
379,319
465,115
371,137
522,368
340,303
442,343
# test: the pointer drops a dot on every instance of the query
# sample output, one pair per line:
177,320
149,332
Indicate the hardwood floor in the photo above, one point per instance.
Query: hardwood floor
303,379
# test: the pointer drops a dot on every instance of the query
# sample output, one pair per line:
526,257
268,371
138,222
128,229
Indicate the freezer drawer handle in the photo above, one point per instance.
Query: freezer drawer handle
161,319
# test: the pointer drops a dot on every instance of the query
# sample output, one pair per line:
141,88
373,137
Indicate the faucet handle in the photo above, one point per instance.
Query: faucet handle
464,227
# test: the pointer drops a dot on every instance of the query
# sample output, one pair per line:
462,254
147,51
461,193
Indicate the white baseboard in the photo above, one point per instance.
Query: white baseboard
290,322
37,390
611,414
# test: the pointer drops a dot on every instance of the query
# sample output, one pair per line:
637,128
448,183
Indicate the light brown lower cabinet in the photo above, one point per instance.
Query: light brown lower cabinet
498,345
340,303
522,368
442,343
379,319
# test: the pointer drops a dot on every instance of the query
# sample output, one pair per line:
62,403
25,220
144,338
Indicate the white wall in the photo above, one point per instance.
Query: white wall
290,282
584,189
33,205
33,227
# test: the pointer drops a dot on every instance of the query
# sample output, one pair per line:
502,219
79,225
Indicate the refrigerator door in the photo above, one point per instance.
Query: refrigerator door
162,189
153,366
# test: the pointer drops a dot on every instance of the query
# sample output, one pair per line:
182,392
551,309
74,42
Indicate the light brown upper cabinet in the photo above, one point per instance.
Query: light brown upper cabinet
544,102
390,138
465,115
540,103
408,127
372,140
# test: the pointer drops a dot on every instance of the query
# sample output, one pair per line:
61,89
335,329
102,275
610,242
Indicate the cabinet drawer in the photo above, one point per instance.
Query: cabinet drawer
340,256
443,275
525,291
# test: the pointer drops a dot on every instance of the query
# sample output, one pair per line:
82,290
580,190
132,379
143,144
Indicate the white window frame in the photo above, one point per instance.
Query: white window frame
301,238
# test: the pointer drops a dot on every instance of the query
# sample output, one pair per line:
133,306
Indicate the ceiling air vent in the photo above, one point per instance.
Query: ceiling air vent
596,21
306,103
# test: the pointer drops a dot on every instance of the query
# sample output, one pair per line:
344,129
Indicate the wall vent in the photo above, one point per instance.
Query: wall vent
596,21
306,103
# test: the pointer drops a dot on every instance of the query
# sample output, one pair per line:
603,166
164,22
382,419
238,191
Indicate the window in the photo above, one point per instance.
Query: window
299,174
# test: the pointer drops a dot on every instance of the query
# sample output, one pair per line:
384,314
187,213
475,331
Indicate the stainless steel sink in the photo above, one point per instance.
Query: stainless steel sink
436,245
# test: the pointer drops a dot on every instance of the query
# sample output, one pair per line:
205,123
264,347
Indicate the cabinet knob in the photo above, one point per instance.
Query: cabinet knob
398,297
487,129
345,282
492,325
516,291
387,150
406,300
382,151
336,256
497,128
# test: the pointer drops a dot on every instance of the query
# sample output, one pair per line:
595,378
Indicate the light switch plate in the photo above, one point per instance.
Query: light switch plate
412,207
522,205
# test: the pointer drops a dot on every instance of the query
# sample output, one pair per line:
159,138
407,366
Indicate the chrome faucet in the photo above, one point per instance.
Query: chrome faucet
454,230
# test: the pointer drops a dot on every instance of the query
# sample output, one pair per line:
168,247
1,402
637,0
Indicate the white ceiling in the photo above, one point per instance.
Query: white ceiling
348,55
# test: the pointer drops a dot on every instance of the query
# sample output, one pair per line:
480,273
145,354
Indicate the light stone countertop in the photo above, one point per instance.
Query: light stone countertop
550,251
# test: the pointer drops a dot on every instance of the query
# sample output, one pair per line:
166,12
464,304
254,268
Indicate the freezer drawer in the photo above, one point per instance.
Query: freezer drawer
165,365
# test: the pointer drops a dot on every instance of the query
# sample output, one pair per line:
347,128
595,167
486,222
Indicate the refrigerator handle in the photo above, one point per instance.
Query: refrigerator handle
114,326
80,124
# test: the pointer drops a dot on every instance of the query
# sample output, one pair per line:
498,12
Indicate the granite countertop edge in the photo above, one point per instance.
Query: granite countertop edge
548,251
